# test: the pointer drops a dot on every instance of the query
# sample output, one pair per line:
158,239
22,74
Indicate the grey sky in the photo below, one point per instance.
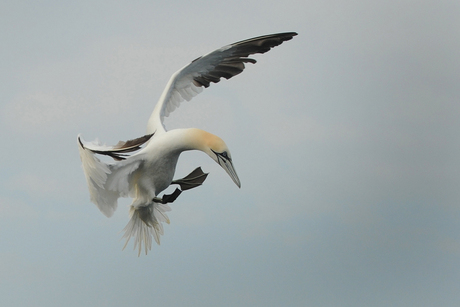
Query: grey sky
345,140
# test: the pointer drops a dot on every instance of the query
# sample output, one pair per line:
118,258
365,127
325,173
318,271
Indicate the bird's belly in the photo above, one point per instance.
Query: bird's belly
157,175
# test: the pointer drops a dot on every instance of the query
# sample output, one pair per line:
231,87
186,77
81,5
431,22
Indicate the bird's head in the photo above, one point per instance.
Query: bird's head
216,148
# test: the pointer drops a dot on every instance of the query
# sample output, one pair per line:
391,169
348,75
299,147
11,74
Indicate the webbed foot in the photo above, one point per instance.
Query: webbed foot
168,198
192,180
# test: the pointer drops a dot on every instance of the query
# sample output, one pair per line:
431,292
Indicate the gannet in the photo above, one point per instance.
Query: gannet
149,170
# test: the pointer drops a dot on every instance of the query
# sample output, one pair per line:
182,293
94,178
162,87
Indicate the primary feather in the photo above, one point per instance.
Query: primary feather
225,62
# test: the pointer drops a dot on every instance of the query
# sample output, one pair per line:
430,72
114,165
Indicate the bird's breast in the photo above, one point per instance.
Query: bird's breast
161,156
159,173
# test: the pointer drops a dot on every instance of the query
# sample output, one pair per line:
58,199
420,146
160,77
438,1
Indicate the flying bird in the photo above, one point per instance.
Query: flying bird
145,166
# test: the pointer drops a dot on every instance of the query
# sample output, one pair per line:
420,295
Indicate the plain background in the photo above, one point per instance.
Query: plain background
345,140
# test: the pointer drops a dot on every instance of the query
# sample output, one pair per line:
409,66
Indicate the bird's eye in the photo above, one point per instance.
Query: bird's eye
222,155
225,155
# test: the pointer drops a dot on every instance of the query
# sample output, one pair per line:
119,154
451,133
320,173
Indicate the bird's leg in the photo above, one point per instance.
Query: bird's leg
167,198
192,180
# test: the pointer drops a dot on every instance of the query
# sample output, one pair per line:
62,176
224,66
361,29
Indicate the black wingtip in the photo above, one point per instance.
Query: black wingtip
80,142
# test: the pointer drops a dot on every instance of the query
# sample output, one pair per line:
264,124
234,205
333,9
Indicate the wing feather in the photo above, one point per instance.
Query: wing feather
106,182
117,152
225,62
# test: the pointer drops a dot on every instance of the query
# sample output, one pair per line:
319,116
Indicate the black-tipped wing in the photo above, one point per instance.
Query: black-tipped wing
229,61
225,62
117,152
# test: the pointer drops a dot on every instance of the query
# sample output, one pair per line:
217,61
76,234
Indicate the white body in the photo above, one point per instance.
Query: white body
146,173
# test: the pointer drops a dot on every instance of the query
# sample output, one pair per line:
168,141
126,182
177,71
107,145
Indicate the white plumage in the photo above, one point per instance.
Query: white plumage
145,173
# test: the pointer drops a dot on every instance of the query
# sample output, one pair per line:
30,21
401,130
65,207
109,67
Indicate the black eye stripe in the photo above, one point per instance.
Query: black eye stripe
223,155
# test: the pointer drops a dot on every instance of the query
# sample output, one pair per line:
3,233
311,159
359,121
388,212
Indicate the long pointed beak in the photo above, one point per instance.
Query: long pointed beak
228,167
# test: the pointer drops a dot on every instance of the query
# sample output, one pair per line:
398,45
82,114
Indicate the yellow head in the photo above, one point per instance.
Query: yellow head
216,148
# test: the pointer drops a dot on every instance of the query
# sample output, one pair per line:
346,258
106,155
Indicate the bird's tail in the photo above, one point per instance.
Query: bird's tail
146,222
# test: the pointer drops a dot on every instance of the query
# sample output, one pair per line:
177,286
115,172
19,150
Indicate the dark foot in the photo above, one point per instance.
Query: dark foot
192,180
168,198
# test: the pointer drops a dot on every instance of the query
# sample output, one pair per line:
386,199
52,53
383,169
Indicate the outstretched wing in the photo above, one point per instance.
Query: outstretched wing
117,152
108,182
225,62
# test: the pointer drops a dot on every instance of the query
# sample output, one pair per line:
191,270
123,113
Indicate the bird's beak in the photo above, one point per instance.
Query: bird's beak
227,165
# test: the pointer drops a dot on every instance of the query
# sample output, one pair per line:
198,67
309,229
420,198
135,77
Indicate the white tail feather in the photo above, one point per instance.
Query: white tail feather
145,223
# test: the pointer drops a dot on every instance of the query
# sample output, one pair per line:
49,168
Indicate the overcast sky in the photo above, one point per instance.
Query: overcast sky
346,141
